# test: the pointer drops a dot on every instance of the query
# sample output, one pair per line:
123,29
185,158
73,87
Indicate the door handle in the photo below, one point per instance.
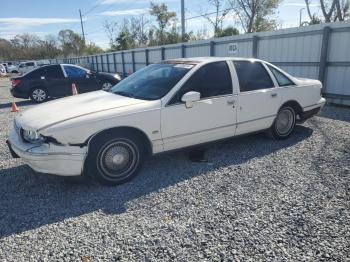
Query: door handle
274,95
231,102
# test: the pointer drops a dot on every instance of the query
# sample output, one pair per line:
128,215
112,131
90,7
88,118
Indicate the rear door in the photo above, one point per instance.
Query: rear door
84,82
57,83
259,97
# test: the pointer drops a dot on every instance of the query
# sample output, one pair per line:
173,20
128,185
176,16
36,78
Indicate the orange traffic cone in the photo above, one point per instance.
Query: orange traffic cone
74,89
14,107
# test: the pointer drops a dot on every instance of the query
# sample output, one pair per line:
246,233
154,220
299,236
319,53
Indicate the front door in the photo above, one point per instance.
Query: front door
259,98
84,82
57,84
211,118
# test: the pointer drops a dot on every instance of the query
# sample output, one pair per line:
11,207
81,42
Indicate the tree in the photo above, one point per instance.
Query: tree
163,18
219,16
71,43
334,10
92,48
228,31
255,15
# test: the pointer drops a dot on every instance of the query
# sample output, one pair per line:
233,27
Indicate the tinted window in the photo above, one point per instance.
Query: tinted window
252,76
30,64
54,72
73,71
210,80
36,74
280,77
152,82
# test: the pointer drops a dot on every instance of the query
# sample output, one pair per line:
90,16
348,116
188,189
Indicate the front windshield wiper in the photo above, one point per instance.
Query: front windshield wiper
122,93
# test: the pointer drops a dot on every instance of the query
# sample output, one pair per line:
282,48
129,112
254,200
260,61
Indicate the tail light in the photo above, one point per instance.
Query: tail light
15,82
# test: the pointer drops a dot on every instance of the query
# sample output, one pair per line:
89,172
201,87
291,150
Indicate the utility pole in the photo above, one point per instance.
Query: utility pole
183,31
82,26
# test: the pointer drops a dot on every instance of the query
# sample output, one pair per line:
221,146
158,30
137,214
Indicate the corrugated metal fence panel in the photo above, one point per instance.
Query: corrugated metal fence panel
155,55
338,80
244,49
140,57
173,53
197,51
338,43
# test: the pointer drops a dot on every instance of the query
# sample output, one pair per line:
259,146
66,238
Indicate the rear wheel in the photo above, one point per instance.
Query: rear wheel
39,95
284,123
106,86
115,159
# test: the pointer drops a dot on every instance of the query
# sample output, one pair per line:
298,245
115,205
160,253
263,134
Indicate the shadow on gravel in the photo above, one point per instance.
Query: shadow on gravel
18,103
29,200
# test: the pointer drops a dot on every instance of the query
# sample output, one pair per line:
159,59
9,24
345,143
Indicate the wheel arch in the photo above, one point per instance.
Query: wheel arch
128,129
293,104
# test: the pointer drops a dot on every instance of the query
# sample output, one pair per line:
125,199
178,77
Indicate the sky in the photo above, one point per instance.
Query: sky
43,17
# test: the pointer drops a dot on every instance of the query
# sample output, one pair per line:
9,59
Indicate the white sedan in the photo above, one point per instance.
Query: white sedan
165,106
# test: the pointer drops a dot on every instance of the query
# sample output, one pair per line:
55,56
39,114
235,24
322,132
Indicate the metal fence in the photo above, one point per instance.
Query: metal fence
318,51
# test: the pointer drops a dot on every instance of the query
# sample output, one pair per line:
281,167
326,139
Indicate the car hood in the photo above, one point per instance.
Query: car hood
50,113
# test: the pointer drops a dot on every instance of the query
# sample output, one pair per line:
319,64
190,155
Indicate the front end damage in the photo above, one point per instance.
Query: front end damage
48,157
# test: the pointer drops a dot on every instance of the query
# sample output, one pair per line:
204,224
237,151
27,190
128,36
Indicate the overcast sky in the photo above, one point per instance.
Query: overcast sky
44,17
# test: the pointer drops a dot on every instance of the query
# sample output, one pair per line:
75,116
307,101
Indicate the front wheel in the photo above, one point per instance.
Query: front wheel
115,159
39,95
284,123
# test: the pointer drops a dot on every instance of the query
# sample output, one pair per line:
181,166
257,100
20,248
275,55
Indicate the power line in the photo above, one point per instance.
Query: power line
193,17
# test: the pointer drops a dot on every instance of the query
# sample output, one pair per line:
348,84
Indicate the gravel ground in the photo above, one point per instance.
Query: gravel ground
256,199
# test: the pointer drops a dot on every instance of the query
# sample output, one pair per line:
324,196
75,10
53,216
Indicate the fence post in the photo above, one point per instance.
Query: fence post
102,67
147,56
97,67
163,52
212,48
92,63
123,63
183,51
133,61
322,71
108,68
115,62
255,46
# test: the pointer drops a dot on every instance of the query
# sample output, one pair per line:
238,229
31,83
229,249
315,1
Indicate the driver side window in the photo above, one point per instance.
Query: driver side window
210,80
74,72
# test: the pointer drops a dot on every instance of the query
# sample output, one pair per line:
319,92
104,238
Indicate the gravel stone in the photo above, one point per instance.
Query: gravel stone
255,199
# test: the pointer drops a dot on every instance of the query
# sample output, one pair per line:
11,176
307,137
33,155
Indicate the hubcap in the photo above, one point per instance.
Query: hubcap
284,122
39,95
117,159
106,86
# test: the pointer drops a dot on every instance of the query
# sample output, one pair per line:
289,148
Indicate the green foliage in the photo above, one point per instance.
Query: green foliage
228,31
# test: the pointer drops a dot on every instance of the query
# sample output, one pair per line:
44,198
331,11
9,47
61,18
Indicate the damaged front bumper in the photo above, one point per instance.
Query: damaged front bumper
47,157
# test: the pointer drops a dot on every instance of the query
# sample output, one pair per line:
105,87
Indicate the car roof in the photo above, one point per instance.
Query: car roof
206,59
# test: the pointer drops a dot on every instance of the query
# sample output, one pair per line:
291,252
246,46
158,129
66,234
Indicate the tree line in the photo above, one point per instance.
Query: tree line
161,26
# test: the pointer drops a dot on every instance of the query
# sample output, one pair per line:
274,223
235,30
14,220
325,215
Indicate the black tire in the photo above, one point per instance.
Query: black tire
39,94
284,123
109,150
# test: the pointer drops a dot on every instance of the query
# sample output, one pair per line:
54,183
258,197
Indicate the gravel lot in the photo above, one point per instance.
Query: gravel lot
256,199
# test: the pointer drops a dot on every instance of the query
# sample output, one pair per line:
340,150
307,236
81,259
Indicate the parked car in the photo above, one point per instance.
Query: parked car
56,81
2,70
25,67
11,67
164,106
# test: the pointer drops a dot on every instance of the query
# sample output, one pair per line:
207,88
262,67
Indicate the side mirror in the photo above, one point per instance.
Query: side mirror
190,97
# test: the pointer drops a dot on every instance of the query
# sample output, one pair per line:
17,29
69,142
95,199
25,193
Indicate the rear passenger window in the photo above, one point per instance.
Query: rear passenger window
282,80
252,76
36,74
30,64
54,72
210,80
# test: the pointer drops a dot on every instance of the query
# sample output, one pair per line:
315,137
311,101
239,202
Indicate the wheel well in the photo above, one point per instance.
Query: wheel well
295,105
128,130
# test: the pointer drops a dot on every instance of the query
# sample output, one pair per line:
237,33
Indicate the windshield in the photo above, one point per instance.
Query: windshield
152,82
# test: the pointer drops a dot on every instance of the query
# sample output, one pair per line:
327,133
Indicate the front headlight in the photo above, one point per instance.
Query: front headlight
32,136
